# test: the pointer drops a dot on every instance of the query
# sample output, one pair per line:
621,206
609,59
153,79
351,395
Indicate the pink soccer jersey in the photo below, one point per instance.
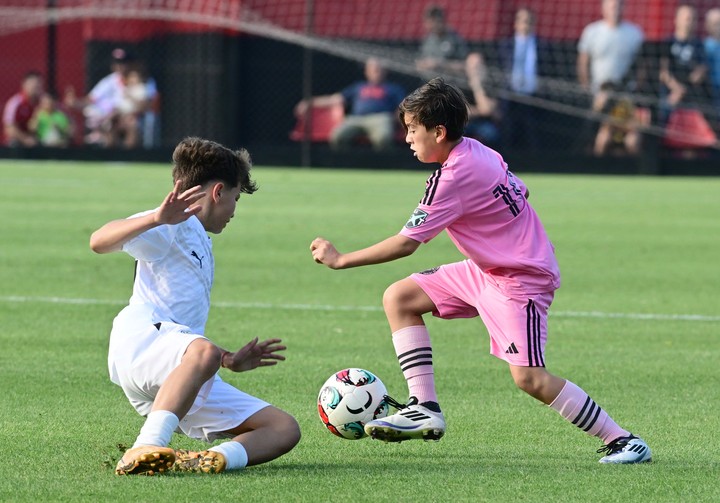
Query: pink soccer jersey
482,206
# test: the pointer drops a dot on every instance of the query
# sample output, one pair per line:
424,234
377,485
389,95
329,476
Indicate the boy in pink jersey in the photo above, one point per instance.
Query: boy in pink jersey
508,279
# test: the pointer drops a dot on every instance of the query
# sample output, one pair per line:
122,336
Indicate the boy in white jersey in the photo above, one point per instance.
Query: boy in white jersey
158,352
508,279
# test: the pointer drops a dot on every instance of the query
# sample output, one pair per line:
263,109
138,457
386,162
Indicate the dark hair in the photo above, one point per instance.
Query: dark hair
437,104
198,161
609,85
434,12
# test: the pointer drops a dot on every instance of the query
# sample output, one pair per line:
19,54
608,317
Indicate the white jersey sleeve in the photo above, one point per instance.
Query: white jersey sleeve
152,245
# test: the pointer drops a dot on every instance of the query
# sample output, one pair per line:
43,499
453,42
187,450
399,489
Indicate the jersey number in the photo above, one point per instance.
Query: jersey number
502,191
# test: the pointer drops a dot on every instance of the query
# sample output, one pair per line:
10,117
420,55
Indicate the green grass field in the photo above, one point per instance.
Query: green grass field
636,324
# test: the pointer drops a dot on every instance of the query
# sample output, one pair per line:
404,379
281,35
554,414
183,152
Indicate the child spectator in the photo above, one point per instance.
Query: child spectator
620,131
51,125
134,94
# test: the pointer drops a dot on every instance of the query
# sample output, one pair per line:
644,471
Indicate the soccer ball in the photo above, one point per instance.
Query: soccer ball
349,399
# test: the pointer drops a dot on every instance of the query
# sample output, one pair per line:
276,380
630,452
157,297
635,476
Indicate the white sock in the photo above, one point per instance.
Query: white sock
235,455
158,429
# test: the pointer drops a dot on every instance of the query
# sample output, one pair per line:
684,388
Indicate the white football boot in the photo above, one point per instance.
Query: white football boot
626,450
413,421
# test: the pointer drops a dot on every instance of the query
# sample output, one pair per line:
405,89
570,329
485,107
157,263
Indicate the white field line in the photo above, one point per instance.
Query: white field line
329,307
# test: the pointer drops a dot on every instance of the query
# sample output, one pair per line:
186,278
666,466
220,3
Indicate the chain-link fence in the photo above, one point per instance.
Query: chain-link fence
597,77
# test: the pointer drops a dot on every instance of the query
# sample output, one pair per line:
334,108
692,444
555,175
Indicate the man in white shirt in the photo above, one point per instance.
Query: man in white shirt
108,124
607,48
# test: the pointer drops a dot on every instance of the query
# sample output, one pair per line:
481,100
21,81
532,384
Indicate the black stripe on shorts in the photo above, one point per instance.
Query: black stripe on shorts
535,356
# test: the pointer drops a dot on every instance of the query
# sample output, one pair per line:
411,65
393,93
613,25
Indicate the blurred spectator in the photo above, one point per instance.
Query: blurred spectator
52,126
521,57
484,111
620,132
443,49
139,103
607,48
372,104
683,66
110,117
134,93
19,110
712,54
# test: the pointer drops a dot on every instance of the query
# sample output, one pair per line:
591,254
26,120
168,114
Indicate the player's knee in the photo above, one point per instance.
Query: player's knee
404,299
291,432
204,355
286,430
395,298
530,382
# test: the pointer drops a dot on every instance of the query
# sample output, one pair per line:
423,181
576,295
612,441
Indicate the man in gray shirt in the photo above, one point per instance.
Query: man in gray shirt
443,49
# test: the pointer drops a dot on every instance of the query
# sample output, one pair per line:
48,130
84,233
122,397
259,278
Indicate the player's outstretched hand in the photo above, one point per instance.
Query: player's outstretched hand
254,354
324,252
178,207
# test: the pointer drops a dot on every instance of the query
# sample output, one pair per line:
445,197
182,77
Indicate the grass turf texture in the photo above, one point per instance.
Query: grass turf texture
626,246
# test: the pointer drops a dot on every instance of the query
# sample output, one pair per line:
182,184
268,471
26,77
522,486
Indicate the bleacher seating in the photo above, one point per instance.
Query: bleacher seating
323,119
688,129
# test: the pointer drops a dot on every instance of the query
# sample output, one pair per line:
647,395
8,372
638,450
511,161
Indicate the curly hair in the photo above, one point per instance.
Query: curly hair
437,104
197,161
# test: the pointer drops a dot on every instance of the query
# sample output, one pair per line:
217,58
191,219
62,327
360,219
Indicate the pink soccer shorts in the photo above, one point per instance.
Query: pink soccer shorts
517,324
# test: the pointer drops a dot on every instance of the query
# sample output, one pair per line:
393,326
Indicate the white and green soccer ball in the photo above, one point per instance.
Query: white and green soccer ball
349,399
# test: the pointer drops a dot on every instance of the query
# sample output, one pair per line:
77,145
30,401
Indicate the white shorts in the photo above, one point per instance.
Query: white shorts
225,408
142,355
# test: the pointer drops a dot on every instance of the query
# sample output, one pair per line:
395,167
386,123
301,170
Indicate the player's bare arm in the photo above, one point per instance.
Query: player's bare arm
177,207
392,248
254,354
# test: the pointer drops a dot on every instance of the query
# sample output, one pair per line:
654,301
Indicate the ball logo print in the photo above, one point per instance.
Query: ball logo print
359,377
349,399
365,407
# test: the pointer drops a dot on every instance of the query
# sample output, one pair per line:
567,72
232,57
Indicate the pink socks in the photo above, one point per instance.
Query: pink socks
576,406
414,353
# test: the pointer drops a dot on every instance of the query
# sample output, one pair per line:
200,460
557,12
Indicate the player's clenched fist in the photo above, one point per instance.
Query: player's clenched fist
324,252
